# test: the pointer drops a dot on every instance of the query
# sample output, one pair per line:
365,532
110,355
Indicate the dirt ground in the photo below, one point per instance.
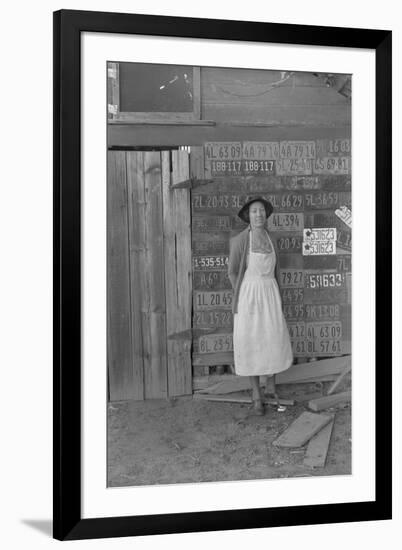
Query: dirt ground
184,440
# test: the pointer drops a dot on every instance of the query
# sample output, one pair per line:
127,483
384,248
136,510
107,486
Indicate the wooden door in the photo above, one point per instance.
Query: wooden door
149,275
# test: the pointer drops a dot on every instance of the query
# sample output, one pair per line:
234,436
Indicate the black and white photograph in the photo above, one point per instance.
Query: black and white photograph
229,274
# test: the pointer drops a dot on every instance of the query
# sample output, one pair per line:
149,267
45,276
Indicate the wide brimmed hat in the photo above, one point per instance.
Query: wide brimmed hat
244,211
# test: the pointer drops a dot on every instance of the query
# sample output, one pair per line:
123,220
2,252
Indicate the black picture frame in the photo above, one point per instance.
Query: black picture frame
68,27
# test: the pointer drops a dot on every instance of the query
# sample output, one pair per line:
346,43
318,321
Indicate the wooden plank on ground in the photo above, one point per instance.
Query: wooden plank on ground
302,429
118,286
329,401
136,238
307,397
154,313
317,448
343,374
177,252
239,398
315,368
240,383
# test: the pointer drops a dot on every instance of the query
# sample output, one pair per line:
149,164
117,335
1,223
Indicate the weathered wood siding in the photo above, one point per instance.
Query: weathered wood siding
148,252
275,97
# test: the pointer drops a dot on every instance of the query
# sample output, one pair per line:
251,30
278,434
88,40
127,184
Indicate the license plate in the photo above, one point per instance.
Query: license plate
286,221
316,348
340,262
326,331
211,223
322,311
210,262
344,240
324,234
297,149
325,280
216,280
291,278
215,343
297,331
325,296
203,202
211,247
255,167
326,199
212,319
223,150
217,299
333,147
292,295
345,214
294,167
289,244
285,201
294,312
226,167
260,150
332,165
319,248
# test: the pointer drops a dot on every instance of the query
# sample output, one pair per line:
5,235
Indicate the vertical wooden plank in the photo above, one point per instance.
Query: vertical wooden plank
118,289
154,309
177,232
197,170
136,239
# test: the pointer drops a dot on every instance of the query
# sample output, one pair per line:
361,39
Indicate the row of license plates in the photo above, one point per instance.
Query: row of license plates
282,167
311,336
276,150
221,318
203,202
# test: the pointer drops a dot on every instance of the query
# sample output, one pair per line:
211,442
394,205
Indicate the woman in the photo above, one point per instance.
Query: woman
260,336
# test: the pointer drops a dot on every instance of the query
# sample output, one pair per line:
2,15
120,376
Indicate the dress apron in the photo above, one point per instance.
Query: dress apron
261,342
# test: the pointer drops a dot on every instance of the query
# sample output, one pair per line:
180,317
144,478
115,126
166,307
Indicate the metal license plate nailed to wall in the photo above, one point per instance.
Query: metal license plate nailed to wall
260,150
210,262
317,348
291,278
215,343
211,280
286,221
294,167
333,147
297,149
217,299
290,244
211,223
332,165
213,319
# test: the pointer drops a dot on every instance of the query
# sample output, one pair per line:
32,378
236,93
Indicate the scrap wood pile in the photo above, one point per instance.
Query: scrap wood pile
310,427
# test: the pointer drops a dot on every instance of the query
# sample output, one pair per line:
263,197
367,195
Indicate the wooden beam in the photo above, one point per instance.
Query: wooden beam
239,399
329,401
348,368
317,449
302,429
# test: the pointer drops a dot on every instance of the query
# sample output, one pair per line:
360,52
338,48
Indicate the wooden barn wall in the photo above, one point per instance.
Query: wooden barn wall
148,275
286,136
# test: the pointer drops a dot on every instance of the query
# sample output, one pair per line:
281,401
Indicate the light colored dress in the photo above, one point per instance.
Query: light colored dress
261,340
